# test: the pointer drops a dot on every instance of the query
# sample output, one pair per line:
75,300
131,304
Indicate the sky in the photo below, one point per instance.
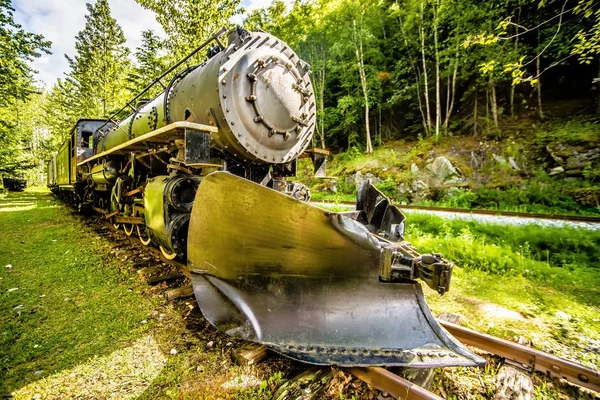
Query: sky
60,21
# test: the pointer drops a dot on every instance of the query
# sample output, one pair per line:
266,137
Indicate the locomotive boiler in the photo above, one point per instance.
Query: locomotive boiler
203,171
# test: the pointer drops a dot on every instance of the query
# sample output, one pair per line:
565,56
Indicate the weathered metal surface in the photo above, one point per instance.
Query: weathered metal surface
197,147
306,282
264,105
63,164
160,136
395,385
167,203
105,173
129,220
528,358
14,184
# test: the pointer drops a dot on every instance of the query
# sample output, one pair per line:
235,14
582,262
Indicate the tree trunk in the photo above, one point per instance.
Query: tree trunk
598,99
512,87
322,105
539,80
438,100
487,109
494,106
423,118
453,92
379,125
363,81
512,100
539,88
425,78
475,116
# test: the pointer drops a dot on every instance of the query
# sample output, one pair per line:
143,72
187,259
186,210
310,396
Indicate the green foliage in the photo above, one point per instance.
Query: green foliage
265,391
571,132
18,47
100,65
150,64
388,187
188,23
530,250
19,135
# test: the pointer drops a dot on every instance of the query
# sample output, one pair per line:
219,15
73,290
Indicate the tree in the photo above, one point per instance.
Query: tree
18,95
150,63
17,47
101,63
188,23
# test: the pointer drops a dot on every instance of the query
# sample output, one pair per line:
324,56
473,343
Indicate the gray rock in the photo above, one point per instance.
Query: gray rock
513,164
572,157
513,384
499,159
359,179
442,169
349,180
38,373
556,171
419,186
403,191
414,169
420,190
331,185
454,180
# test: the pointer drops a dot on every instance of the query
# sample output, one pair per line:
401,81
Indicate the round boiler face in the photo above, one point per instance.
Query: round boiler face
267,99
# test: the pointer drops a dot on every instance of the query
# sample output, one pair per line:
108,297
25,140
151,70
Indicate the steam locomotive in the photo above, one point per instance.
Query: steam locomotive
203,172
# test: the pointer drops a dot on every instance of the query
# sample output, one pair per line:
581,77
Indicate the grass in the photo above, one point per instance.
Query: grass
76,322
490,181
530,281
61,301
80,324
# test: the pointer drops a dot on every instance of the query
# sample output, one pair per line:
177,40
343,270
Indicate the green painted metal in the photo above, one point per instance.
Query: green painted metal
62,164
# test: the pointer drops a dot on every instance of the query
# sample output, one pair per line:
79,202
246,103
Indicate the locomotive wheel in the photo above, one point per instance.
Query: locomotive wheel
166,254
144,238
141,230
128,228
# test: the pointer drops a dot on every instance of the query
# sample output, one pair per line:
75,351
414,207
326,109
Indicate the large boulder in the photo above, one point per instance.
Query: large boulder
359,179
442,169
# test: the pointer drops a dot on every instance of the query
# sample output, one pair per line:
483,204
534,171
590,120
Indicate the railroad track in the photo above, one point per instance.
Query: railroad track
525,357
515,214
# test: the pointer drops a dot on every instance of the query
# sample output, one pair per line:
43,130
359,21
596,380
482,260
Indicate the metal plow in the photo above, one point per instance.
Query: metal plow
316,286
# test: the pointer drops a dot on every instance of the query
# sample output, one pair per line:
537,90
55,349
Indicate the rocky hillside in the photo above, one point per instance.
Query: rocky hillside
554,169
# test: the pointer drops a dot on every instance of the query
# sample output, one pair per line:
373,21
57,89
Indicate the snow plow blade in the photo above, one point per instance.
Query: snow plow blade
316,286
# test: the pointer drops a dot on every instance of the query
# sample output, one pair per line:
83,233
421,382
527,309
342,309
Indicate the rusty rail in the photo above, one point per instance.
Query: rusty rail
398,387
531,359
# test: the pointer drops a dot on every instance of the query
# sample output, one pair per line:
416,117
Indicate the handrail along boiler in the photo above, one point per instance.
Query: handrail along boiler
202,172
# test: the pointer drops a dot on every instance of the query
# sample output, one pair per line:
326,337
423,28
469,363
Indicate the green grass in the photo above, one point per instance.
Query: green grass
515,281
62,302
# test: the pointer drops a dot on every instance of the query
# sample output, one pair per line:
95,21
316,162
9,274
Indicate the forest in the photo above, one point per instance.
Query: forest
382,70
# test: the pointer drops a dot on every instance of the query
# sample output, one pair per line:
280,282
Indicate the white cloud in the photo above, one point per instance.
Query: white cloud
60,21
